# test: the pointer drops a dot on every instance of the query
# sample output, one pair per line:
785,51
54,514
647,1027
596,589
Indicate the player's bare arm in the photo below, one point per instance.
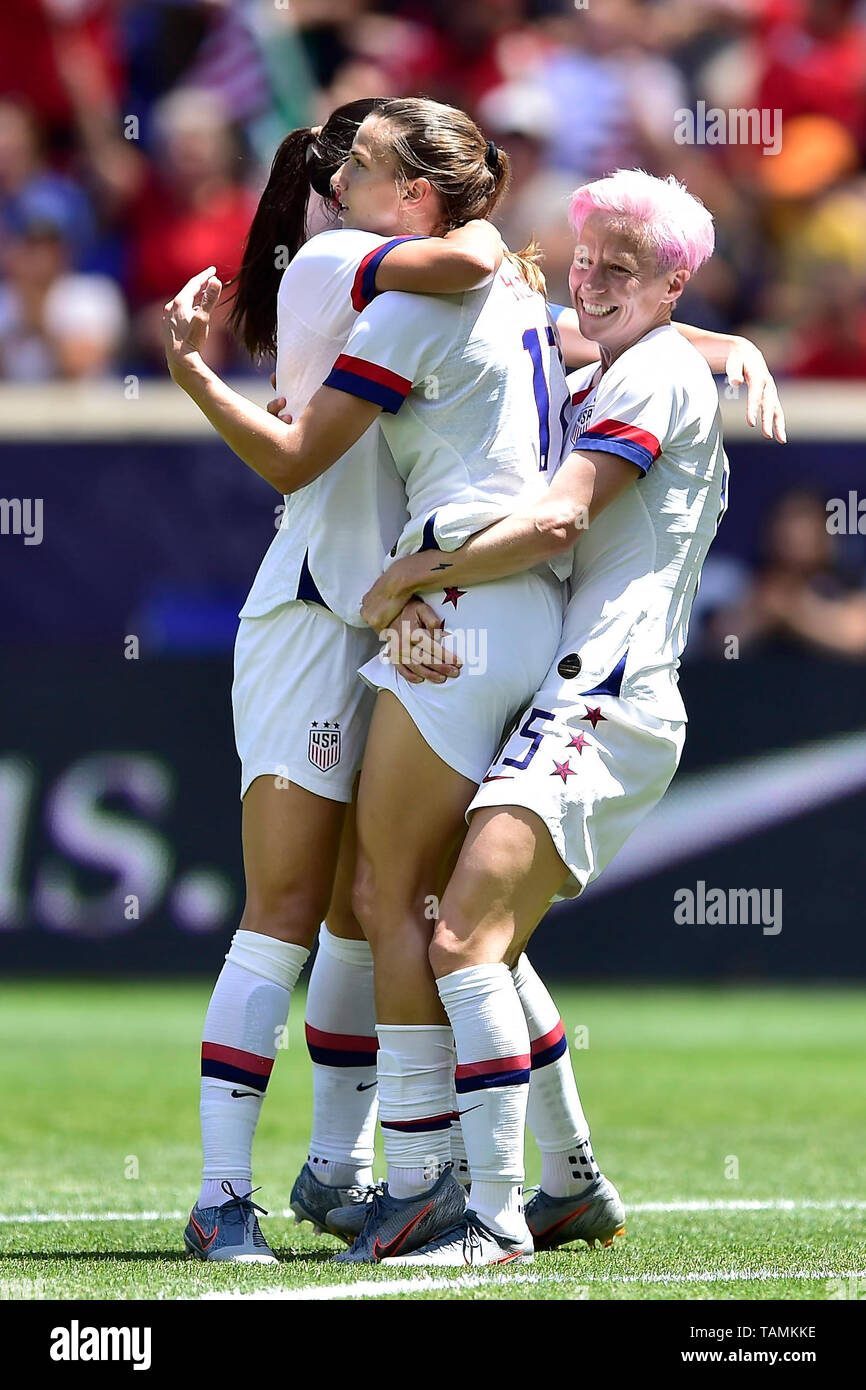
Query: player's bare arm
739,358
464,259
586,483
286,455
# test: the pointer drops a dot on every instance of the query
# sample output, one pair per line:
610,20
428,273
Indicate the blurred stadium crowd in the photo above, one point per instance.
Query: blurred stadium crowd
135,135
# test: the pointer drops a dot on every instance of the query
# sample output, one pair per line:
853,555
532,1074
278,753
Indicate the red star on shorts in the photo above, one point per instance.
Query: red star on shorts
594,715
452,595
579,742
563,770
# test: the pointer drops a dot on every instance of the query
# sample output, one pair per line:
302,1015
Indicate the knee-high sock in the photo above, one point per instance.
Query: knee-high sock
458,1148
416,1077
554,1114
341,1038
492,1082
243,1029
458,1144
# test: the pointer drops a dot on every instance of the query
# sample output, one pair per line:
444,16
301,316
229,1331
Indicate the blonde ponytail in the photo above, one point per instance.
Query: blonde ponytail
528,263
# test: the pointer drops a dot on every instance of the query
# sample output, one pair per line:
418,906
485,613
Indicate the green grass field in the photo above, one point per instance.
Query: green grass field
683,1087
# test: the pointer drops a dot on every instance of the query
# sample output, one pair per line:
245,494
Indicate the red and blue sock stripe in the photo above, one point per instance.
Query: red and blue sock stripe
499,1071
427,1124
233,1064
341,1049
549,1047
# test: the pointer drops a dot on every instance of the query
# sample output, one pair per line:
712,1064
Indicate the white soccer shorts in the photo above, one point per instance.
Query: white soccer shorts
591,768
301,711
506,633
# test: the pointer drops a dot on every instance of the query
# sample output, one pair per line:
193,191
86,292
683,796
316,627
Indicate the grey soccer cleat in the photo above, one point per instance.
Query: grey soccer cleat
394,1226
228,1232
312,1200
468,1244
595,1215
347,1221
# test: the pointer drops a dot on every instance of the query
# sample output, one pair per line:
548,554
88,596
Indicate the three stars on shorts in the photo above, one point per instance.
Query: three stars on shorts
578,741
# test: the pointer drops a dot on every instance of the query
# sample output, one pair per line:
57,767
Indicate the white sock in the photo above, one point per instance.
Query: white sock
213,1194
554,1114
416,1071
458,1150
459,1160
242,1032
492,1041
341,1039
568,1174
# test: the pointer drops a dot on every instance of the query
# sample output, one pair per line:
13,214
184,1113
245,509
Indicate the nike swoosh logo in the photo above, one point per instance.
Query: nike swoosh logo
207,1239
237,1094
469,1109
381,1252
499,777
361,1087
557,1225
722,805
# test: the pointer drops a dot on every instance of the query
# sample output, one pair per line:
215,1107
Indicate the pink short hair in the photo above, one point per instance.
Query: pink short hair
669,218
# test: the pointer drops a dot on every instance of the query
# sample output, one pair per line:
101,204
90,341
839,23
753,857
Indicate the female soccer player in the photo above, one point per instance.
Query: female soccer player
598,744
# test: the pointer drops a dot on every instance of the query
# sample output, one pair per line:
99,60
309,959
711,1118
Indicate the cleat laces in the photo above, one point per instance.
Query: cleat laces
239,1210
360,1194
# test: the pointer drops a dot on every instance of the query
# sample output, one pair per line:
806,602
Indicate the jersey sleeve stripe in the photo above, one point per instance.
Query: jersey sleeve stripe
617,437
364,284
635,453
369,381
619,429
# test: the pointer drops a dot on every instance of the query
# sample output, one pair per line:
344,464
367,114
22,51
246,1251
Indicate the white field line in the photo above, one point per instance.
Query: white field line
752,1204
697,1205
381,1288
386,1288
724,1276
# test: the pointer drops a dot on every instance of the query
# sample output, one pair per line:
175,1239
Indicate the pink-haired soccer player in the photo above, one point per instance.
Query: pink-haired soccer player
639,499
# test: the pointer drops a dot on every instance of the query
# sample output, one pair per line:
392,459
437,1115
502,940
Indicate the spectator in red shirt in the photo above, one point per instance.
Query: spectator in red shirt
192,211
36,37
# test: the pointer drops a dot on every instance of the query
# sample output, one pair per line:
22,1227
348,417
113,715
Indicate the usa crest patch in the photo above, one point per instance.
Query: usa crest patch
324,746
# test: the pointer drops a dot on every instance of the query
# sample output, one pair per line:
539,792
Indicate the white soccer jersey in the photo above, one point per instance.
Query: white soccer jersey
335,531
637,567
474,398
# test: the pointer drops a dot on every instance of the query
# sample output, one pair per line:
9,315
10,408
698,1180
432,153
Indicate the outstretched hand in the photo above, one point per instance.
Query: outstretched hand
747,364
186,318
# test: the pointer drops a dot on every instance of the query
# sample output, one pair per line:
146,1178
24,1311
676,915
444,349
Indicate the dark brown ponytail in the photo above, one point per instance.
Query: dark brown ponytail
279,227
